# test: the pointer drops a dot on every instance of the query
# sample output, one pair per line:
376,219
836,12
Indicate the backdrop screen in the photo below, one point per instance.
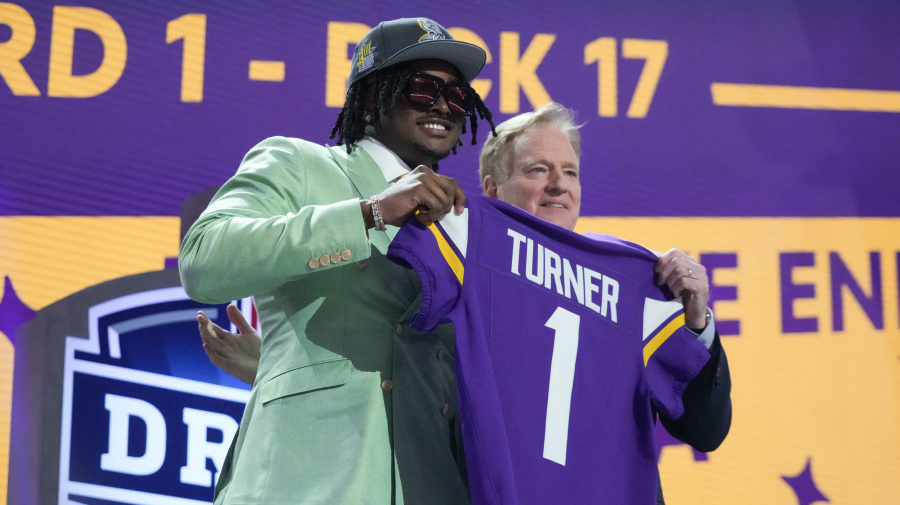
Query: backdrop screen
762,139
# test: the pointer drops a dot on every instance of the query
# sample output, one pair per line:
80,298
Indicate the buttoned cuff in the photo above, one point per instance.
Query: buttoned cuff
344,239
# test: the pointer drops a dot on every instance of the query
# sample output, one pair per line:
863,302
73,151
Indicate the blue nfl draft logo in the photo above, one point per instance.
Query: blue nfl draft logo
145,418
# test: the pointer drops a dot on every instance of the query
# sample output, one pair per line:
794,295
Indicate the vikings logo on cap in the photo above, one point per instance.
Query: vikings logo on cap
432,30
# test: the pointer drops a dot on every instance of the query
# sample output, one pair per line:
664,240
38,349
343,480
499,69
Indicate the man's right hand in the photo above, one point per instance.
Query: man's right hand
236,353
422,190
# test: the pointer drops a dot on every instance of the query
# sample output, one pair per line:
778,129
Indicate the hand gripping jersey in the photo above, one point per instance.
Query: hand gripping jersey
563,347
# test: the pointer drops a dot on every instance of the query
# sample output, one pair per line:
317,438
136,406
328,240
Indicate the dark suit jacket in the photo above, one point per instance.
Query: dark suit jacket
707,408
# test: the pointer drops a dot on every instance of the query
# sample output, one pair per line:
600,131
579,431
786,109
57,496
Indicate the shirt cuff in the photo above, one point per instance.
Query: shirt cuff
708,334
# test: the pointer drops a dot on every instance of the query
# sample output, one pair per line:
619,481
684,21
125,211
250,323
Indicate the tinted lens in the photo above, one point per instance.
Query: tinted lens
423,89
459,99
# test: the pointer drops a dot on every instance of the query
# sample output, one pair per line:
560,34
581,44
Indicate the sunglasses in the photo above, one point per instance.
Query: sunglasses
425,89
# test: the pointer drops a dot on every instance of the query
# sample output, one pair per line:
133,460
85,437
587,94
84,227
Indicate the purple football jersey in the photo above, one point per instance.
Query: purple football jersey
564,346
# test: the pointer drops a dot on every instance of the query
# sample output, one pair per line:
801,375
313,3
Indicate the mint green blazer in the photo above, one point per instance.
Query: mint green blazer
350,405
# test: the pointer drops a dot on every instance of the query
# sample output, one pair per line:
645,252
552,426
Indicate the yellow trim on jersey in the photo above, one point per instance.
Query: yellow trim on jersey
447,251
662,336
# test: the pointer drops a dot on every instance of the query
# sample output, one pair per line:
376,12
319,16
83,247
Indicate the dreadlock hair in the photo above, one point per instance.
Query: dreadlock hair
386,86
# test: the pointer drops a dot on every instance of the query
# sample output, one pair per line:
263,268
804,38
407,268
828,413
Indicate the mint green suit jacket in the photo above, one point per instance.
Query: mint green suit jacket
350,404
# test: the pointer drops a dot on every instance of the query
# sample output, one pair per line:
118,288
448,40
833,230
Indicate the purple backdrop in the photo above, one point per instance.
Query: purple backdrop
138,150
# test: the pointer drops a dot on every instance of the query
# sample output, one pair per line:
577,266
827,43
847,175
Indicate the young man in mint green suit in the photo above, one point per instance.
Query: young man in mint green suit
350,405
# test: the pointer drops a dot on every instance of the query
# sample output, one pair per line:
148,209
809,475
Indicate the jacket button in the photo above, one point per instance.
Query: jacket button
346,254
335,257
441,353
445,410
387,385
324,260
314,263
398,329
362,264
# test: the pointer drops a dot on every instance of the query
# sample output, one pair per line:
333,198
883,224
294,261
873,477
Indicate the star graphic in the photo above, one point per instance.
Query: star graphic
12,311
805,487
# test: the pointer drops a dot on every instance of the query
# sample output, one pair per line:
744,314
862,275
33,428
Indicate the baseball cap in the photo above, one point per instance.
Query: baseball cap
407,39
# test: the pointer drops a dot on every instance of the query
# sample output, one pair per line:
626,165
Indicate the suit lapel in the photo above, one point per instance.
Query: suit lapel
368,180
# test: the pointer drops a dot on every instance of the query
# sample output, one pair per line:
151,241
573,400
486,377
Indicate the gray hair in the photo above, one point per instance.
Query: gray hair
494,159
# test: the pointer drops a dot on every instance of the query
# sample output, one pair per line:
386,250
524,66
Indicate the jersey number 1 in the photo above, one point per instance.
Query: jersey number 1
562,375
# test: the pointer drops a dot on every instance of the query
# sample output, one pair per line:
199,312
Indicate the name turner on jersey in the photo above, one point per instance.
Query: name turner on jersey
545,267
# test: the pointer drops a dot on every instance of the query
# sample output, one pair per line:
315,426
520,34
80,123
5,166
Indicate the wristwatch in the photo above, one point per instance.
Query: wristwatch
708,319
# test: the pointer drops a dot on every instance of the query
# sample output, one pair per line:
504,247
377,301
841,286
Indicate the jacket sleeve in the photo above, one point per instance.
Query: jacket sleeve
707,405
288,203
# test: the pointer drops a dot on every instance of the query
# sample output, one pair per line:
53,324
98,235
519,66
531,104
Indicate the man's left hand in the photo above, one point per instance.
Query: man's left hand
686,278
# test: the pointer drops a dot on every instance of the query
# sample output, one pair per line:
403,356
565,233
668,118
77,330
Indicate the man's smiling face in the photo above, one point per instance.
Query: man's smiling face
543,177
418,134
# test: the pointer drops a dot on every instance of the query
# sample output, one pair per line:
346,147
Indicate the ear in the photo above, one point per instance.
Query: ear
366,88
489,186
368,91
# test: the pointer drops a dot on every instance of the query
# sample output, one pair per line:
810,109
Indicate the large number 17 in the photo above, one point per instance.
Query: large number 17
603,51
562,376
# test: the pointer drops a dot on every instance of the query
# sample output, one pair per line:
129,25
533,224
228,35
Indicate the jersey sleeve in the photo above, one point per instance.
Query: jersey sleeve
437,253
672,355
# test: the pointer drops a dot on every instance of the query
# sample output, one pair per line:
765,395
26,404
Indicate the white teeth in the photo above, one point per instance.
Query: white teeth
435,126
558,205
